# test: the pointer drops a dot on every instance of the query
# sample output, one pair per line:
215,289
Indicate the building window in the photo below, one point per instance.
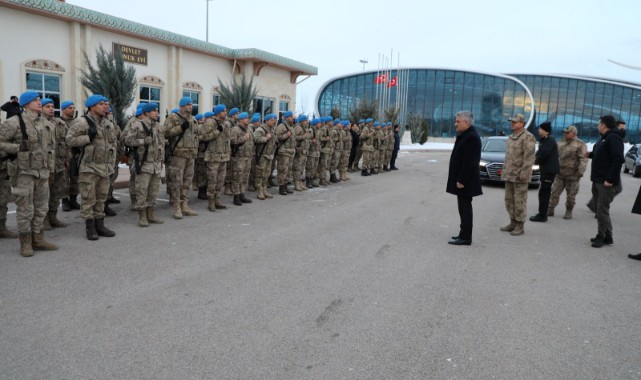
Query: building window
47,85
263,106
150,94
215,100
194,98
283,106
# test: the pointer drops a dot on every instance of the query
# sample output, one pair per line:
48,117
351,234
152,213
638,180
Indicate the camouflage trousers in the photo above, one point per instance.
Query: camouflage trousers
5,196
516,200
228,173
311,166
132,181
32,198
93,190
263,171
180,173
388,157
284,169
216,172
252,170
323,165
571,187
240,174
367,160
336,157
112,180
147,186
342,163
299,165
57,189
72,184
200,176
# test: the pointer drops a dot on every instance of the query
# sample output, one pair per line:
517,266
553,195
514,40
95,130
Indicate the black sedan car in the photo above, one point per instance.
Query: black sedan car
493,157
633,161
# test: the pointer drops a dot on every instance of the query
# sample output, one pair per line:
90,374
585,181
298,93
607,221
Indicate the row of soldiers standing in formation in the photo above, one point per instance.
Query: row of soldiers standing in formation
46,159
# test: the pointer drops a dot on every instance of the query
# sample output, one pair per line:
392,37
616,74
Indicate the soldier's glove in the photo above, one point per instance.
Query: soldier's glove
148,140
184,125
92,132
24,145
220,128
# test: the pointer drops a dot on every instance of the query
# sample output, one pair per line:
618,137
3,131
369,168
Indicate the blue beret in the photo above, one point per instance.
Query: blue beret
208,114
328,119
28,97
46,101
315,121
255,118
288,114
199,116
257,114
185,100
243,115
175,110
361,121
149,107
369,120
94,99
270,116
66,104
301,118
377,124
219,108
138,111
337,121
345,123
233,111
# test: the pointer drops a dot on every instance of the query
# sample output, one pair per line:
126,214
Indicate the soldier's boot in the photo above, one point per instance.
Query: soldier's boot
518,229
303,185
54,221
282,189
237,201
184,206
26,249
308,183
38,242
373,171
244,199
90,228
271,182
345,177
259,193
219,206
4,231
142,218
102,230
227,190
73,202
211,204
332,178
66,206
151,216
323,181
202,192
509,227
45,223
550,211
385,168
568,213
109,211
178,213
315,182
298,186
266,193
251,186
111,199
364,173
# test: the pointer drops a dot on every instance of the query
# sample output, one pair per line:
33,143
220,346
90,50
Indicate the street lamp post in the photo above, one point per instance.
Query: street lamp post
207,22
363,61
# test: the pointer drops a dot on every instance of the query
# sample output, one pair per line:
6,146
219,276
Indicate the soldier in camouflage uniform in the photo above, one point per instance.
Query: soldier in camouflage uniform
230,122
265,145
390,148
302,135
29,138
129,156
313,154
326,148
382,147
337,150
367,146
69,202
254,123
573,161
57,175
97,137
346,138
517,173
242,148
182,131
200,176
147,141
285,151
120,150
216,135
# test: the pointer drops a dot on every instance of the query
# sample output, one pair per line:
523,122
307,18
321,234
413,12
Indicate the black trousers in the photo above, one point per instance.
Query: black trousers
467,216
392,161
545,192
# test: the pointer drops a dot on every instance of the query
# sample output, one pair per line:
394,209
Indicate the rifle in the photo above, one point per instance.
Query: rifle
25,136
169,149
279,144
261,149
77,153
137,162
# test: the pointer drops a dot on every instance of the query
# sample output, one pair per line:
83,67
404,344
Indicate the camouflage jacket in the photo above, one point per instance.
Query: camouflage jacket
327,145
572,158
367,139
302,136
187,147
314,142
60,135
337,137
216,134
347,140
245,145
519,157
260,139
287,146
155,152
99,155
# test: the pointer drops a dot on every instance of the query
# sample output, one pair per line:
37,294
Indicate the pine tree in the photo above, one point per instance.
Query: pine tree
364,109
239,95
418,128
111,78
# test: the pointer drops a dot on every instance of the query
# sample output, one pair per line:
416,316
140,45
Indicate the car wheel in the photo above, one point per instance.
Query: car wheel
636,171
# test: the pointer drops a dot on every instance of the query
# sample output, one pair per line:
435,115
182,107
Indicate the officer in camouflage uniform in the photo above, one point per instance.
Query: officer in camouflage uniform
326,149
182,131
200,176
390,148
57,175
517,173
264,142
313,154
573,162
216,135
230,122
302,135
254,123
97,138
367,146
120,150
129,156
286,150
147,141
69,202
30,139
346,138
335,133
242,148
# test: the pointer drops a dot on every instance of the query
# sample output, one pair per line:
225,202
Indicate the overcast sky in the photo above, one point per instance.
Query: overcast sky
496,36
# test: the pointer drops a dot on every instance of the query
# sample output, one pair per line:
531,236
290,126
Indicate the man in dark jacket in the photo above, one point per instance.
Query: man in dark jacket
607,159
547,157
397,146
464,179
12,107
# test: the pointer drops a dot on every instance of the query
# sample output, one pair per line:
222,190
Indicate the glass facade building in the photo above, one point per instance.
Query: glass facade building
437,94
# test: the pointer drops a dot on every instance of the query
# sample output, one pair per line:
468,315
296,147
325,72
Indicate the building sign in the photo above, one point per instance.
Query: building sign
132,54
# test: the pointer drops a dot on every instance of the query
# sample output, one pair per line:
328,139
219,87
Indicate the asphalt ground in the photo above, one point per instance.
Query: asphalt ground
355,280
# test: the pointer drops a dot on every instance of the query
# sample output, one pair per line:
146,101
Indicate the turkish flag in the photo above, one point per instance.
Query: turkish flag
392,83
380,79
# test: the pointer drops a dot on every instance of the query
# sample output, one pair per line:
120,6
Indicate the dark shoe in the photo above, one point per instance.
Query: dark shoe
109,212
111,199
598,242
591,206
66,206
364,173
394,168
74,204
270,182
282,189
635,257
244,199
539,218
332,178
608,240
237,201
202,192
102,230
454,237
54,221
460,241
90,227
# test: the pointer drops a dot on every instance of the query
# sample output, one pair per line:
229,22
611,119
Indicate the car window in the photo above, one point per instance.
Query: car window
495,146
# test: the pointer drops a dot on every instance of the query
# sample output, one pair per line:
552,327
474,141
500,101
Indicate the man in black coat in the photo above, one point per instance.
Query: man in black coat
607,159
12,107
397,146
464,179
547,157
